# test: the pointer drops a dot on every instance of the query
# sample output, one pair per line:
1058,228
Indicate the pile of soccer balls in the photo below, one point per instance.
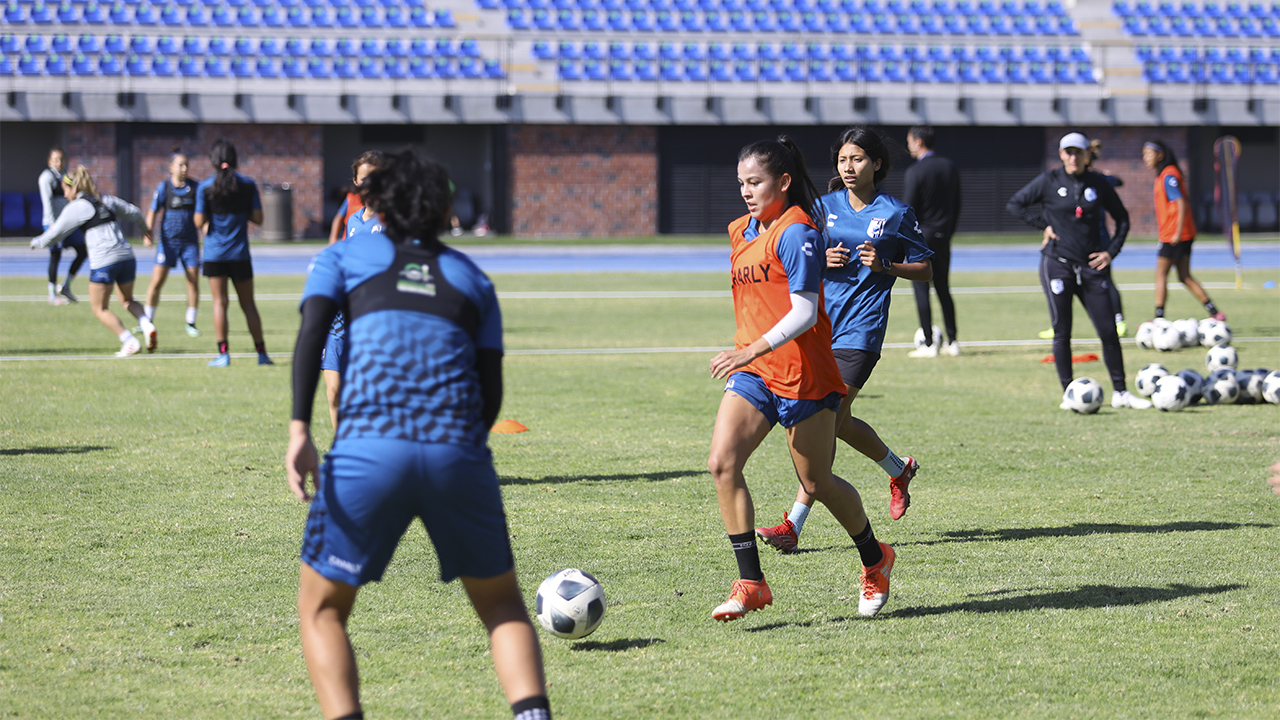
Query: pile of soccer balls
1169,335
1223,385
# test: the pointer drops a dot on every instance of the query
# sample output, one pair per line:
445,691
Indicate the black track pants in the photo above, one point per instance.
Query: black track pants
941,260
1061,282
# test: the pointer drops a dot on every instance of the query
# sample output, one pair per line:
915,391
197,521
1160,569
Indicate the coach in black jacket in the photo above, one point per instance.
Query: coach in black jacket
933,190
1067,203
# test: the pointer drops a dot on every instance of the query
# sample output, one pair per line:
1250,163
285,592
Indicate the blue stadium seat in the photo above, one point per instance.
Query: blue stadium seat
61,44
292,67
719,51
318,69
68,14
968,72
543,51
10,45
394,69
641,21
36,44
643,51
189,67
115,44
28,65
218,46
342,68
81,66
444,18
569,51
695,72
516,19
445,69
840,51
14,14
670,71
214,68
846,71
266,68
95,14
422,69
619,51
592,51
693,51
41,14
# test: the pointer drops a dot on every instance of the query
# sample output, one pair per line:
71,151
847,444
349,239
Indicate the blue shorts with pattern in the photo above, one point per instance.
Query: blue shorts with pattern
335,348
118,273
169,252
778,410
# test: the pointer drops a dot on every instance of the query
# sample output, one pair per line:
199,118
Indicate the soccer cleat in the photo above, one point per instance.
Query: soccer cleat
875,583
899,498
149,332
1046,334
57,300
783,537
1122,328
192,331
1126,399
952,348
924,351
222,360
66,293
264,360
130,347
746,595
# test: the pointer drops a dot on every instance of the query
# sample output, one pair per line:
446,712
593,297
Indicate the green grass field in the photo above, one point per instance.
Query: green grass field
1121,565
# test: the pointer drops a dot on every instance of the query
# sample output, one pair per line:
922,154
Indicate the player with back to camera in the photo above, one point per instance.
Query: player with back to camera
883,231
174,205
1177,227
111,260
933,192
406,448
1067,204
361,220
225,205
782,371
53,200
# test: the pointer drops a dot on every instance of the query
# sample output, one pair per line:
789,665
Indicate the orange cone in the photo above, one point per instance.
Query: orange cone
509,426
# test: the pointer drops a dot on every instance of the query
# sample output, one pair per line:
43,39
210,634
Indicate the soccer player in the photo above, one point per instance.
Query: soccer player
111,261
406,448
361,219
174,207
782,371
889,245
225,205
1067,204
1177,228
933,192
52,201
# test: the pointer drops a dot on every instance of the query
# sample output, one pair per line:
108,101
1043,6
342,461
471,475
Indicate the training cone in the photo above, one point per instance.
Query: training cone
509,426
1083,358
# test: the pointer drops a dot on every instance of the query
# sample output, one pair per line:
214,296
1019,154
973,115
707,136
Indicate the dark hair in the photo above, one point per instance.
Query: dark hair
56,149
923,133
871,142
412,195
1168,159
376,158
783,157
225,183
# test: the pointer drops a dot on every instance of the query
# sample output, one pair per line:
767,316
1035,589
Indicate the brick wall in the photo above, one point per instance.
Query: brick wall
583,180
1122,157
93,145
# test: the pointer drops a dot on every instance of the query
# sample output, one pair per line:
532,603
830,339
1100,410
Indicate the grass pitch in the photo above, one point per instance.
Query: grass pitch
1121,565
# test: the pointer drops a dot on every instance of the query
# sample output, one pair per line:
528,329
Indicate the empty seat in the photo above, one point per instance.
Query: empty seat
266,68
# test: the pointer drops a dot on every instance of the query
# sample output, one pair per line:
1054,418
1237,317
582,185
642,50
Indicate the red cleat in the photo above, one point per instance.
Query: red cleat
783,537
746,595
875,583
899,498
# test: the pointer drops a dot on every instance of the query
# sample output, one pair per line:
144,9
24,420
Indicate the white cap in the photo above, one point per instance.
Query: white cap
1073,140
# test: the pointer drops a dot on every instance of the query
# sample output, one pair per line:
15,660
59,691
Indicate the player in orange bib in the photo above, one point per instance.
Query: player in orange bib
781,370
1177,228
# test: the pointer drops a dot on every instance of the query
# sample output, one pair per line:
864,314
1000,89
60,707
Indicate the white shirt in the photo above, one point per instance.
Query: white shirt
106,243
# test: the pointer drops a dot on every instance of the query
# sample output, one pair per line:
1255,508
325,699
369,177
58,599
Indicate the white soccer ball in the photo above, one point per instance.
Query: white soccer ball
1221,388
1162,322
1083,395
1171,394
1221,356
1145,384
1146,335
1166,338
1250,382
919,337
1194,383
1189,329
1214,333
1271,387
570,604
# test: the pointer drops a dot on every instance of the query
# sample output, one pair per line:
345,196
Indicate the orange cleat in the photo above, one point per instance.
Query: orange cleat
783,537
746,595
899,498
875,583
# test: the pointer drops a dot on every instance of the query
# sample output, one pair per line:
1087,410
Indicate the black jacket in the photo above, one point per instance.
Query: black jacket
933,191
1074,206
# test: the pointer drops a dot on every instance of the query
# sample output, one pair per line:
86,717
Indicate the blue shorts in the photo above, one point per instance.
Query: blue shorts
120,273
778,410
372,488
335,349
169,252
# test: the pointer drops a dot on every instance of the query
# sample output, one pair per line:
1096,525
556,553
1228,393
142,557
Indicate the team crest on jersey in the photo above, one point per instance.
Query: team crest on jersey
1057,286
1090,194
1062,192
415,278
876,228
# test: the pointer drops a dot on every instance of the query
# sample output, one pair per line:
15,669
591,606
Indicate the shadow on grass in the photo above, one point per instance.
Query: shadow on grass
558,479
63,450
616,645
980,535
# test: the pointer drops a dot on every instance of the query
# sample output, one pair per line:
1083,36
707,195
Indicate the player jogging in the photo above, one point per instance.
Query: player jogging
781,371
174,206
52,201
225,205
1067,204
422,388
884,232
1177,228
111,261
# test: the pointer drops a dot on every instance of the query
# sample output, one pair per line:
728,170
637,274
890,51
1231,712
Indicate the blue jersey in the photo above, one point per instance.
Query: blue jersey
179,205
228,236
415,320
356,224
800,249
857,299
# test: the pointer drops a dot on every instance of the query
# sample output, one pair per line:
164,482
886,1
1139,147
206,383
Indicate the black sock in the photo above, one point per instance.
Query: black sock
222,347
260,347
868,546
1159,311
357,715
534,708
1210,308
748,555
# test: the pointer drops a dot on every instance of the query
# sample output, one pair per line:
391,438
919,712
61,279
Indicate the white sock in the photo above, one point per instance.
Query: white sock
145,322
892,464
149,311
53,288
1119,318
799,512
191,316
126,336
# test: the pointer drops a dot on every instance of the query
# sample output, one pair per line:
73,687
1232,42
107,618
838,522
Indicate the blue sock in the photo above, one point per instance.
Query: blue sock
892,464
799,512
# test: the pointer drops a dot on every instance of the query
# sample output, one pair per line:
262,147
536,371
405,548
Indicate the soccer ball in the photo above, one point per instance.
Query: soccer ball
1171,394
1083,395
1166,338
1194,383
1145,336
570,604
1145,384
1271,387
1250,382
1221,356
1214,333
937,337
1190,331
1221,388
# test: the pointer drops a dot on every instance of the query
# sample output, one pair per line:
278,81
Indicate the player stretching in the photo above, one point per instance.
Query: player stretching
406,448
111,261
781,370
174,206
884,232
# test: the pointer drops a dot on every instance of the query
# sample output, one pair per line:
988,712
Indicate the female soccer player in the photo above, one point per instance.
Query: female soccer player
890,245
1177,228
406,448
174,206
225,205
1067,204
52,202
781,370
111,261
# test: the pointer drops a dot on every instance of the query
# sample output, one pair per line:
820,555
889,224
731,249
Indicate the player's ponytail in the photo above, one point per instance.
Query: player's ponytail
78,181
872,143
224,159
412,195
783,157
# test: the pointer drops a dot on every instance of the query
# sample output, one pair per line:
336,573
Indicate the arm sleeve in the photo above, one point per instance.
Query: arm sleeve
803,257
128,210
801,317
1111,201
489,367
1022,202
1172,192
76,214
157,200
318,312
